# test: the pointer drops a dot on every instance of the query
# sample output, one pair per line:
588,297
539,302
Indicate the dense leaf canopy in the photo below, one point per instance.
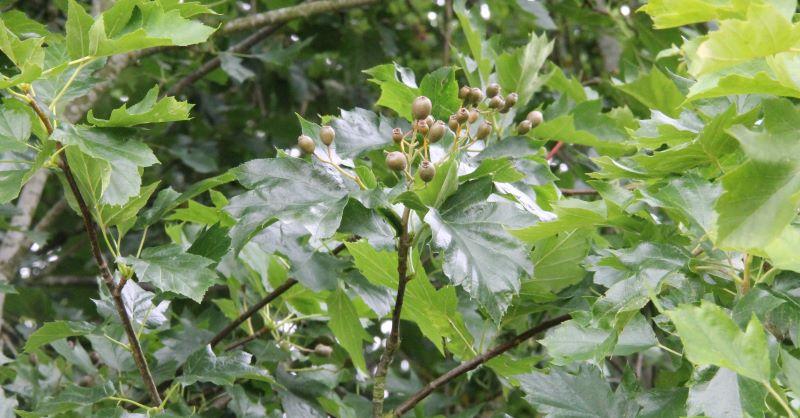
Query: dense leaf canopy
359,208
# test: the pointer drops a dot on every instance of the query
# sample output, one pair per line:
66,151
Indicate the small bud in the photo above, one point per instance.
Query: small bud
421,107
475,95
436,131
306,144
397,135
462,116
492,90
484,130
535,117
463,92
473,115
496,102
524,127
452,123
396,161
426,171
323,350
326,135
422,126
511,99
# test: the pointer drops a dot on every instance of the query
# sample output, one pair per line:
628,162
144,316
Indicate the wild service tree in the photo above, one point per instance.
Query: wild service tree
595,218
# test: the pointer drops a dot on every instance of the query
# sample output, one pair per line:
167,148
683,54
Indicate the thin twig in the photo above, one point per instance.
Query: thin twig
288,13
554,150
105,272
393,341
236,344
578,192
474,363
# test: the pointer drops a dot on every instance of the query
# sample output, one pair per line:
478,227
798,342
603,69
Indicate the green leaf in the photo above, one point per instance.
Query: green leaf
287,188
655,91
558,260
52,331
701,330
482,53
672,13
479,254
11,182
171,269
443,185
205,366
149,110
379,267
168,199
398,87
212,243
586,124
359,131
78,24
560,394
346,327
571,341
119,215
15,129
27,55
518,69
571,214
442,88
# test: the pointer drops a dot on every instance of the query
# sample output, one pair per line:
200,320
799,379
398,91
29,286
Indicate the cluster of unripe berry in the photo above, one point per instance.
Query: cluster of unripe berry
426,130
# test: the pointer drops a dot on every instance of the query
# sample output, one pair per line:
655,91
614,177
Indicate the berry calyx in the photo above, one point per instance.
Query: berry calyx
422,126
535,117
397,135
524,127
436,131
396,161
426,171
484,130
421,108
306,144
326,135
493,89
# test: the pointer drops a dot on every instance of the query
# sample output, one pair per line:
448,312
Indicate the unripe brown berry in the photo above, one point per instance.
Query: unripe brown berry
422,126
475,95
396,161
397,135
484,130
496,102
326,135
421,107
306,144
492,90
473,115
524,127
452,123
463,92
323,350
436,131
535,117
462,116
511,99
429,120
426,171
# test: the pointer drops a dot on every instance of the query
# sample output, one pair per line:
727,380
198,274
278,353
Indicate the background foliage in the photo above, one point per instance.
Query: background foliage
631,256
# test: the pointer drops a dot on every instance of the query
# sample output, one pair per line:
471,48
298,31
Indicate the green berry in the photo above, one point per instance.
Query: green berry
511,99
436,131
306,144
524,127
492,90
421,108
463,92
473,115
484,130
426,171
396,161
535,117
475,95
326,135
323,350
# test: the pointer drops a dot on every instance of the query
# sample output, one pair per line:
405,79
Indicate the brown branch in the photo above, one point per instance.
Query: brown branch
97,253
260,304
474,363
236,344
215,62
288,13
578,192
393,341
